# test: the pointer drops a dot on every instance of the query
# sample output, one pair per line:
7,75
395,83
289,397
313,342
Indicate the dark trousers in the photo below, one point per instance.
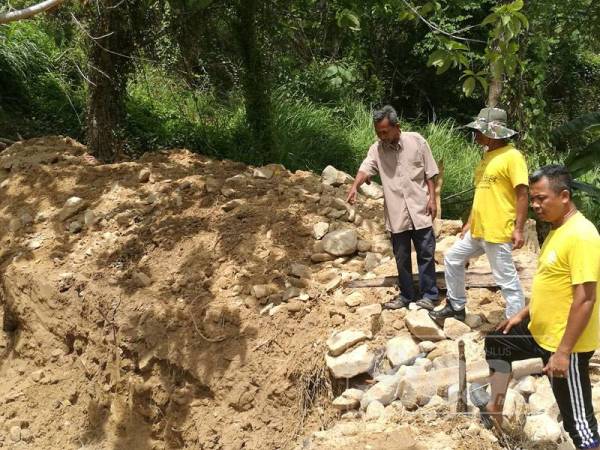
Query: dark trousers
424,241
573,394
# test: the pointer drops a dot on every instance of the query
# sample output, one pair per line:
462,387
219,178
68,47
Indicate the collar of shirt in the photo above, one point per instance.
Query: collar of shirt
394,147
490,153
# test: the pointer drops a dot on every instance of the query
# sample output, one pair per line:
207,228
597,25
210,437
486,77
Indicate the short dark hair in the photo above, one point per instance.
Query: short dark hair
387,112
558,177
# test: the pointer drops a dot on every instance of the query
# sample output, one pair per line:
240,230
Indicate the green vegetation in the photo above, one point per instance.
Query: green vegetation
37,89
295,82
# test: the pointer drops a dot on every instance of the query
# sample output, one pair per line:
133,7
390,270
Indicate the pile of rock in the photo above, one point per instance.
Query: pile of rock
291,299
342,232
422,371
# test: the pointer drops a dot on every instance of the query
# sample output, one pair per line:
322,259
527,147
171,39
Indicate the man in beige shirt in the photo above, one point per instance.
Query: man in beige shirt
407,169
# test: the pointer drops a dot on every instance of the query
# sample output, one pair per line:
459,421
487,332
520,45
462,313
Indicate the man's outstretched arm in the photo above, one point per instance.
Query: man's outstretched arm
361,177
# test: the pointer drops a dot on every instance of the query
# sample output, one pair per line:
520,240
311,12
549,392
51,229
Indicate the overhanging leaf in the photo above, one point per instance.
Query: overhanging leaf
589,189
576,126
332,70
444,67
406,15
427,8
492,18
437,58
454,45
469,86
584,160
347,19
483,82
522,18
514,25
517,5
462,59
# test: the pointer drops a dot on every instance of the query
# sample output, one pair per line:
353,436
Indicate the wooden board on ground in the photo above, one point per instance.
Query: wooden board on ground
473,279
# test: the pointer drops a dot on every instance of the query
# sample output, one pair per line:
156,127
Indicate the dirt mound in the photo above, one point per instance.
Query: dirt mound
178,301
134,324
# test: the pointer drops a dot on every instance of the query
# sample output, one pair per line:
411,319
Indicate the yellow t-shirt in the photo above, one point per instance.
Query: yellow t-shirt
496,177
570,256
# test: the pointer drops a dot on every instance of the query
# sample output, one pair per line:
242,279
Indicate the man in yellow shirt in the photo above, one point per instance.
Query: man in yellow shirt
495,225
561,323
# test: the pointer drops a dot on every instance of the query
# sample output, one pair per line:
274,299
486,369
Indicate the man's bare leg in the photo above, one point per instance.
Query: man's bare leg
498,386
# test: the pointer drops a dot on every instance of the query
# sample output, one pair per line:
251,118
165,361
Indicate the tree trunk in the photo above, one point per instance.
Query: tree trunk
255,81
494,92
108,67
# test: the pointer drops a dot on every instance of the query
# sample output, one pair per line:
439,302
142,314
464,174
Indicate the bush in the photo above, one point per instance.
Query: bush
308,135
38,91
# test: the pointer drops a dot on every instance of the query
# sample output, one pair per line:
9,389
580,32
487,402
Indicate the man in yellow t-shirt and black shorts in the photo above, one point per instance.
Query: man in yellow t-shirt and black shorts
495,225
561,322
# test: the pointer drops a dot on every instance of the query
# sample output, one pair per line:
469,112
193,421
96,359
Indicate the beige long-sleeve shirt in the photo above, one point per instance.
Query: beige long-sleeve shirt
404,169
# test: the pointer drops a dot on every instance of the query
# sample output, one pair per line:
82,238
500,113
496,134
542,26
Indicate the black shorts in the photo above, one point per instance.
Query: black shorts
573,394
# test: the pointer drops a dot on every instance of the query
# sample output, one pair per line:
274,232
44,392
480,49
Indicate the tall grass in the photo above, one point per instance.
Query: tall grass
308,135
459,157
312,136
39,91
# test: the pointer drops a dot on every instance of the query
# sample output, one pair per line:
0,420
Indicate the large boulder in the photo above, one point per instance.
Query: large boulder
381,246
445,361
341,242
372,261
339,342
515,407
350,399
443,246
300,270
351,363
373,190
334,177
266,173
417,388
71,207
454,329
542,428
443,228
423,327
320,229
543,401
384,392
354,299
526,386
401,349
374,411
526,367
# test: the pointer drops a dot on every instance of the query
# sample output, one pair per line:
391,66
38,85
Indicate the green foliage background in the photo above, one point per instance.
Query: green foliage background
329,63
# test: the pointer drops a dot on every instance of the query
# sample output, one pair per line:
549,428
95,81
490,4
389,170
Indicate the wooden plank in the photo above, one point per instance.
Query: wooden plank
472,280
461,401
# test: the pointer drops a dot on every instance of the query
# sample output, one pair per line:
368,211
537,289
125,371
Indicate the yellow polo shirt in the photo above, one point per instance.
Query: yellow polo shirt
570,256
494,205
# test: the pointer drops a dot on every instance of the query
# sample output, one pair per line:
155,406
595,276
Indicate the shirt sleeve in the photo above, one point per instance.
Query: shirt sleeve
518,170
430,166
584,260
369,164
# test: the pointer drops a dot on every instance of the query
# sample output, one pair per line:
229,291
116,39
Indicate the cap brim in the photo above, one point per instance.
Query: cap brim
473,125
504,132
